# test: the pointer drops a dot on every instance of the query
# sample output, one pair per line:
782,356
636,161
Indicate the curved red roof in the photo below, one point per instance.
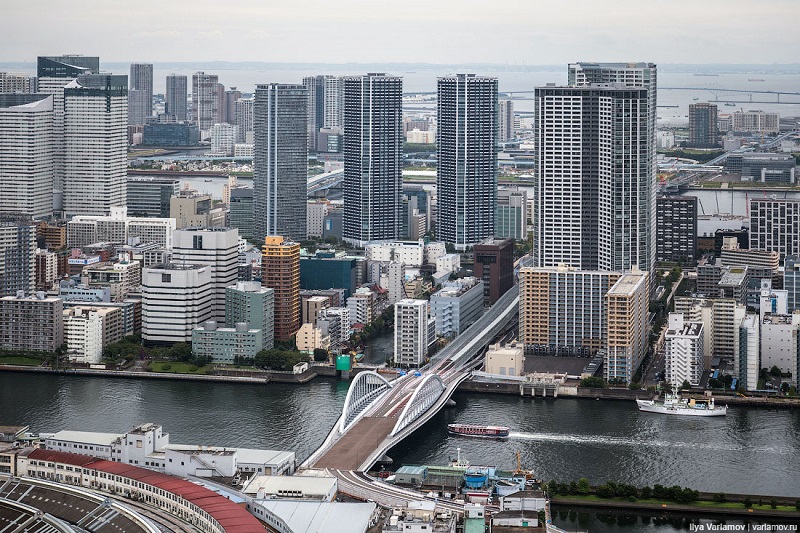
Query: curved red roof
232,517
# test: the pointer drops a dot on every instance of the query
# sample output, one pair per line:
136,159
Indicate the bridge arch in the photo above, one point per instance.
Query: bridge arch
365,389
425,395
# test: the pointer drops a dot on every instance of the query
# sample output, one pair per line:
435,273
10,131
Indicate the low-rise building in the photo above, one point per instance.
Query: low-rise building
505,360
226,345
121,277
88,330
316,488
118,227
310,338
34,322
420,517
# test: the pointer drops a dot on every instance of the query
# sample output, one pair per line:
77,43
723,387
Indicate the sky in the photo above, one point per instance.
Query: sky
533,32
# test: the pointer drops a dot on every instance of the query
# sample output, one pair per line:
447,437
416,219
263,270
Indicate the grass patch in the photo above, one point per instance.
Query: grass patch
22,361
170,367
702,504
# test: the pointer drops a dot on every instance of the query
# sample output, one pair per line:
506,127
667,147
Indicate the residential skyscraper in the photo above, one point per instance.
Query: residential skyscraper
17,258
676,229
593,200
703,125
280,271
176,97
244,119
506,120
17,83
466,178
95,144
228,110
280,162
774,224
325,105
26,154
373,132
53,74
140,93
205,100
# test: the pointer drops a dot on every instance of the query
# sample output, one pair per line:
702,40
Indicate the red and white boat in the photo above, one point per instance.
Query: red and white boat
468,430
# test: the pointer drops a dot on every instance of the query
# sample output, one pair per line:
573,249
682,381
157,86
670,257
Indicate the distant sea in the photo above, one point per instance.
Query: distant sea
422,78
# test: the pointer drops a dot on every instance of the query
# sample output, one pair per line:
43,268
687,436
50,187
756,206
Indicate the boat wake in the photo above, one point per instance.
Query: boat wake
604,440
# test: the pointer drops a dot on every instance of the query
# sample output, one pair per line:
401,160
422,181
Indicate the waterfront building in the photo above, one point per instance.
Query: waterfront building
250,302
17,258
175,299
27,147
53,74
205,103
756,122
215,247
310,338
95,144
581,184
506,131
628,326
749,363
240,211
178,134
511,215
768,168
361,306
411,332
676,230
311,307
457,305
226,345
494,265
148,196
88,330
779,343
121,277
34,322
176,98
280,271
335,320
466,176
190,209
684,356
563,309
721,318
280,161
505,360
774,225
17,83
223,138
140,93
372,185
703,125
118,227
325,107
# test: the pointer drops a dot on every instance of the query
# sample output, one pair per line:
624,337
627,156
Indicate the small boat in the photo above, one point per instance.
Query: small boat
673,404
208,181
468,430
730,104
755,79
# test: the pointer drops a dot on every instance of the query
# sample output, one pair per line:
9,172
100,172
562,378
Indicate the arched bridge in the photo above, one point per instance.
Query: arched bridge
378,414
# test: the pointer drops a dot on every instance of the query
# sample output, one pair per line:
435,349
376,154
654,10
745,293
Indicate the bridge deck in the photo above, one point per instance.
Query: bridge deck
357,444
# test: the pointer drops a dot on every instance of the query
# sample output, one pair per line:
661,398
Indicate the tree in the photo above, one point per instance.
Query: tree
320,354
747,502
686,385
775,371
583,486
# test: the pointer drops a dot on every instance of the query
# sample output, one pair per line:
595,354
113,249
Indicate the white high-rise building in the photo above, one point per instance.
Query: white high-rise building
95,144
176,298
118,227
749,352
373,149
223,138
244,119
410,332
140,93
684,351
779,343
26,154
215,247
280,161
53,74
325,106
466,177
205,103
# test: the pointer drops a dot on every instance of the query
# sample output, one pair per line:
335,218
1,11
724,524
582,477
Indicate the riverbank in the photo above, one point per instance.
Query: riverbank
733,507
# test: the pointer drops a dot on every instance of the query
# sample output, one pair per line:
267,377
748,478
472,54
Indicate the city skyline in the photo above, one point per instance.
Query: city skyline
286,32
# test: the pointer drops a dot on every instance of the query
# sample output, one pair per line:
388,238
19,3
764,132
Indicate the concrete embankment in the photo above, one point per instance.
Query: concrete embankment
794,516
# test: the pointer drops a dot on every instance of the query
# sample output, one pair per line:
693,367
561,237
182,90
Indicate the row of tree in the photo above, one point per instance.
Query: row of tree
612,489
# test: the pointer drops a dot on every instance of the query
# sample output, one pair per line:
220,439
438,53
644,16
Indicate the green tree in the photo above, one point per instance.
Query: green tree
773,503
747,502
583,486
775,371
320,354
686,385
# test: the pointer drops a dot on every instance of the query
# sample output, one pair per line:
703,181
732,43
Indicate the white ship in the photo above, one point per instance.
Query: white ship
675,405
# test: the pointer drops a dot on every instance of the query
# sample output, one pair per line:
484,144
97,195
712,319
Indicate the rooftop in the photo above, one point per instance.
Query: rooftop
306,486
330,517
628,284
87,437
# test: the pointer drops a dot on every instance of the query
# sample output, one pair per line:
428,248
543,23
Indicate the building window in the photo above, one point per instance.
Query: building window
197,242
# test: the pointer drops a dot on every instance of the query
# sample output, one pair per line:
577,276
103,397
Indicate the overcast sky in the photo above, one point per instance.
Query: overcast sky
434,31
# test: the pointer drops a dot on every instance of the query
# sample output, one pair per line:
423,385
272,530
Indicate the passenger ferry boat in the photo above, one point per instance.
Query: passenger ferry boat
468,430
673,404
